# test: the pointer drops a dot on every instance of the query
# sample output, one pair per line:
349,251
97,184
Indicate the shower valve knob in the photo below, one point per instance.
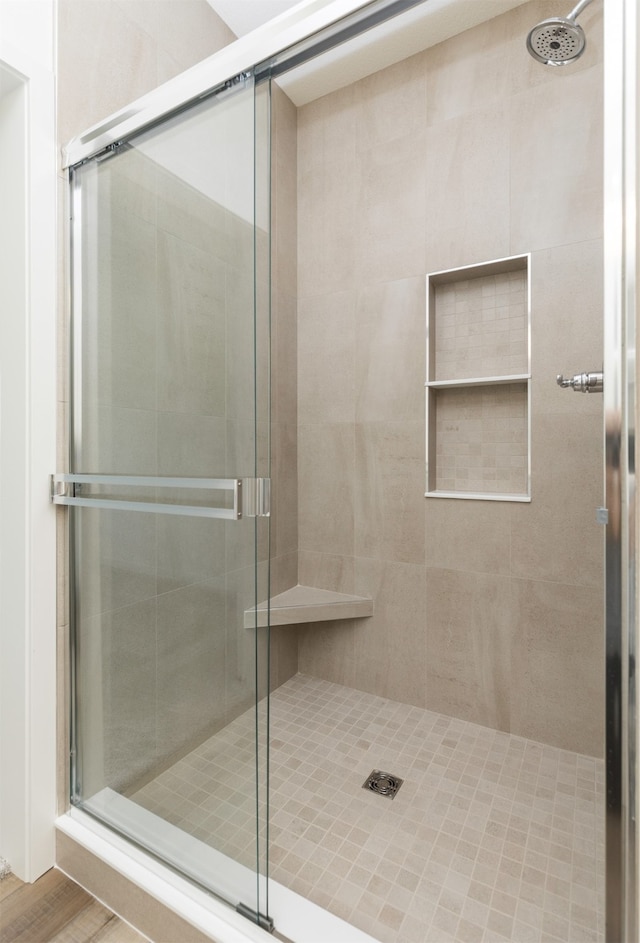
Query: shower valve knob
582,382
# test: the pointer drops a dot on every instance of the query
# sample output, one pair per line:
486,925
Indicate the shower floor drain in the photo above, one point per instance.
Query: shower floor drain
384,784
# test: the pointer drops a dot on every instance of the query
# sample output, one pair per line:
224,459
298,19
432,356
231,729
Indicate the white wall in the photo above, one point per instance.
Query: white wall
28,27
27,435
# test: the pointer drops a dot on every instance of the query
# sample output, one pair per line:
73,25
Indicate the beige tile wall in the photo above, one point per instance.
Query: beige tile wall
468,152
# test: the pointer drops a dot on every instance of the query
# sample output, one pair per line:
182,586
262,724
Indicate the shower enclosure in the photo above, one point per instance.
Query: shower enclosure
175,541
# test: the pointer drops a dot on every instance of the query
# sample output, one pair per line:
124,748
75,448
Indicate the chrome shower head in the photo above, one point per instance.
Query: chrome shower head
558,40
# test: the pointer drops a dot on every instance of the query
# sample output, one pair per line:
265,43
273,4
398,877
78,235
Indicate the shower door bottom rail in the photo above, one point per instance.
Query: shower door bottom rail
250,494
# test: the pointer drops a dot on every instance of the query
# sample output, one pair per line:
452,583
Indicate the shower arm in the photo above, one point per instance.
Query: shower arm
577,10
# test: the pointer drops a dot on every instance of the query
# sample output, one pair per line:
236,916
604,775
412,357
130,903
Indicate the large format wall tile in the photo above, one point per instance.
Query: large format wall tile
328,230
466,170
390,210
469,73
115,559
191,349
391,105
284,358
117,691
327,571
327,650
556,173
567,488
283,654
469,626
325,487
558,660
327,131
127,318
189,550
118,441
389,491
284,490
190,445
245,654
326,348
390,648
284,575
390,351
191,665
468,535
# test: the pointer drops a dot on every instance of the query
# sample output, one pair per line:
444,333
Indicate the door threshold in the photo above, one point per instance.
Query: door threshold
296,918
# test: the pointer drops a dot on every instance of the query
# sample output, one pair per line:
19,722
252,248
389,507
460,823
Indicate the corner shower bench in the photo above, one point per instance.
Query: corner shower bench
308,604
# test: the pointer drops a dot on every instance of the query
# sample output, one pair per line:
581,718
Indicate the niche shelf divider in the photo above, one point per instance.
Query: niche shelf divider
478,384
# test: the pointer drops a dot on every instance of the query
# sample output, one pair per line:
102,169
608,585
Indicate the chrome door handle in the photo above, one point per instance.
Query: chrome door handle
65,490
582,382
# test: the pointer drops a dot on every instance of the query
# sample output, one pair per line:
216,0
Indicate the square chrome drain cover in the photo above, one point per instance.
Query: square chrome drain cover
384,784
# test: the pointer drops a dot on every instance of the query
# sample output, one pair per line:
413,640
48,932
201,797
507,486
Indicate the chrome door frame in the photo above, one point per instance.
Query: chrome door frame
621,556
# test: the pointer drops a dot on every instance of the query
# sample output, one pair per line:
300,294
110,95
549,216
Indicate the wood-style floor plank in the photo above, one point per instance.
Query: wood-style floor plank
39,911
118,932
8,885
85,925
56,910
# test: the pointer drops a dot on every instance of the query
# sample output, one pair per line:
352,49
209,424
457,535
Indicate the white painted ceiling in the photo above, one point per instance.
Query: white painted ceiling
243,16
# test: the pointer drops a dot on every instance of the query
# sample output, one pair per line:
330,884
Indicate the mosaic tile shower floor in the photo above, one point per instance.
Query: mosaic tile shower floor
490,838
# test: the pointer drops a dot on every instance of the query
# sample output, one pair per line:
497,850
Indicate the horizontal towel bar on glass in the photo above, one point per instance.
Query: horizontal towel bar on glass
67,496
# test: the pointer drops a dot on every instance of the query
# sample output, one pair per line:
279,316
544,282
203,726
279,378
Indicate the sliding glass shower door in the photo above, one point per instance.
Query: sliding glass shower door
168,489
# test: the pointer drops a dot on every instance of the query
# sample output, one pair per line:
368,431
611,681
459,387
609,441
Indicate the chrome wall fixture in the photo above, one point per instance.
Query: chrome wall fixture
558,40
582,382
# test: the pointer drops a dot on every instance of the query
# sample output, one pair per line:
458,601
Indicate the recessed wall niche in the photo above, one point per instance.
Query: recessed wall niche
478,381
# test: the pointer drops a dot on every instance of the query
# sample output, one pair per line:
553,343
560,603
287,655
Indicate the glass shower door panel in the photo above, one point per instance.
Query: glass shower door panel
169,417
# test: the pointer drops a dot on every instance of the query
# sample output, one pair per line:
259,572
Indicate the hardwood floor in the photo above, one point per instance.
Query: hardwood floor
56,910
